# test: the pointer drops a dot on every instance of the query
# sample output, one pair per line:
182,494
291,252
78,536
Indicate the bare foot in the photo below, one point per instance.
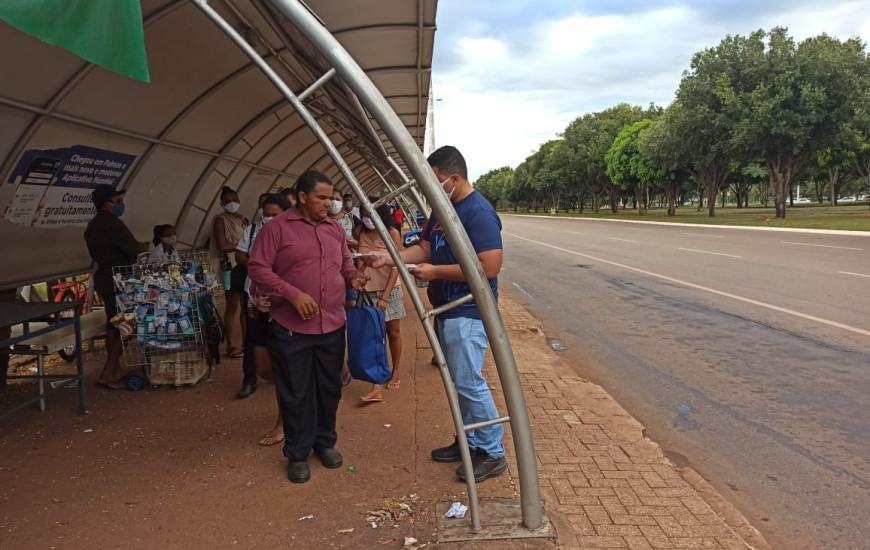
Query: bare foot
373,396
275,435
393,384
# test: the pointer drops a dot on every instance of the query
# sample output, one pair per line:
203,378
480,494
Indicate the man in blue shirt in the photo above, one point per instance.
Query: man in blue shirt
460,330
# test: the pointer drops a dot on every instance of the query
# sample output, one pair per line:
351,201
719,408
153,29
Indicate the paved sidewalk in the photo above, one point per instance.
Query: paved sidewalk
605,485
182,469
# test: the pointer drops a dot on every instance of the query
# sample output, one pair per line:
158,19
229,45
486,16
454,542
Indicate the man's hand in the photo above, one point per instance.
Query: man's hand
352,243
305,306
424,272
359,280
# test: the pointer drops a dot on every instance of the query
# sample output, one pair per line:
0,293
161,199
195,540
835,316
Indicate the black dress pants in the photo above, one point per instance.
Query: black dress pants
307,371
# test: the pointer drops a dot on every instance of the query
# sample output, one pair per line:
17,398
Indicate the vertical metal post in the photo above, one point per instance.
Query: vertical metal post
368,94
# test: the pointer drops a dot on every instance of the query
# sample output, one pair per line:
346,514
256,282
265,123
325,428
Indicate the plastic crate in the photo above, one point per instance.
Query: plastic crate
178,369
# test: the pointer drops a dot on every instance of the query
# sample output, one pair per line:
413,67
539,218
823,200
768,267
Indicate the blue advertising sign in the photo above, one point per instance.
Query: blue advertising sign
54,185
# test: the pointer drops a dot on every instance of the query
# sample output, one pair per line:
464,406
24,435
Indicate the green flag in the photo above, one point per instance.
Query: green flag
108,33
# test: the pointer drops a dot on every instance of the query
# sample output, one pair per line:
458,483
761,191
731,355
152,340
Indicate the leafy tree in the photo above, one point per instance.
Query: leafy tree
663,150
494,184
628,166
791,102
589,137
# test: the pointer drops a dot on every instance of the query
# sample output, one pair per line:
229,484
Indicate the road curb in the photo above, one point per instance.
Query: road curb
536,360
714,226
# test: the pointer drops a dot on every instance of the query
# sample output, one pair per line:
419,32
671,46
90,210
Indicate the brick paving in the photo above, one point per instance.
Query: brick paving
604,485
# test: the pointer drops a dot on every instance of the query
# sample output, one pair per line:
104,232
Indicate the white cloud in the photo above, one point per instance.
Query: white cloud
510,79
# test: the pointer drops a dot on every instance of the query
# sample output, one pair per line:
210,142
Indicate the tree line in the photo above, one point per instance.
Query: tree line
758,112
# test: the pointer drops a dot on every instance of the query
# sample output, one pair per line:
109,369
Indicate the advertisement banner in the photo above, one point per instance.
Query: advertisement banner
54,185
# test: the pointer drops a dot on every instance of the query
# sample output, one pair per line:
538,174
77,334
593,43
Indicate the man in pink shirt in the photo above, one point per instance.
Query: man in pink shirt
301,261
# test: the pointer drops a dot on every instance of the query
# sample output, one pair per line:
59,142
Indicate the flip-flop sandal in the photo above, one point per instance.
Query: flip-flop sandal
346,378
272,444
365,399
236,355
393,385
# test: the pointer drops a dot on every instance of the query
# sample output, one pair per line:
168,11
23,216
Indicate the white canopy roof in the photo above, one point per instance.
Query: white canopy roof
209,118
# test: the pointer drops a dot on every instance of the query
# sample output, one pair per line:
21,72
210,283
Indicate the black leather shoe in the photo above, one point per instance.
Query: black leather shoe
246,391
298,472
484,466
329,457
449,453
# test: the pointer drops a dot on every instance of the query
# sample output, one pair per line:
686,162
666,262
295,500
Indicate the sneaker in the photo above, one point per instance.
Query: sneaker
449,453
484,466
329,457
298,472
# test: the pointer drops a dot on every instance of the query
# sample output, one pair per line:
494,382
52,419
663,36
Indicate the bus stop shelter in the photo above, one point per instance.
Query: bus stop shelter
240,93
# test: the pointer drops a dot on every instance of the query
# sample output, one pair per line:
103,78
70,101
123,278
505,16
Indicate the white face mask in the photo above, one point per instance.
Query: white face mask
170,241
335,207
267,218
450,194
368,222
232,207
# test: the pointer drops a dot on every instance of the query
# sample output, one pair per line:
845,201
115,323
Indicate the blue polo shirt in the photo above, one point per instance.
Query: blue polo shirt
484,229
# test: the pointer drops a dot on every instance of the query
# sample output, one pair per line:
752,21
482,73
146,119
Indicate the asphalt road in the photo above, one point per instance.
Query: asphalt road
745,353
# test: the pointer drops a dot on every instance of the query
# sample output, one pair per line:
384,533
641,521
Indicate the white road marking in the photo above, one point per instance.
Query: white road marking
573,232
703,235
704,288
713,253
823,246
521,289
623,240
855,274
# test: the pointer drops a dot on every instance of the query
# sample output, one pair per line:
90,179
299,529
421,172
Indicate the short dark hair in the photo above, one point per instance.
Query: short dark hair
279,200
448,160
346,195
159,231
308,181
227,190
288,191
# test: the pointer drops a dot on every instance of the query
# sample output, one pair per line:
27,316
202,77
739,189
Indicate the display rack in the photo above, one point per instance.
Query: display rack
167,319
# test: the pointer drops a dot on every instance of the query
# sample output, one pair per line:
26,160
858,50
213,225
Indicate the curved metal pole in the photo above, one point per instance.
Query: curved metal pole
407,279
371,98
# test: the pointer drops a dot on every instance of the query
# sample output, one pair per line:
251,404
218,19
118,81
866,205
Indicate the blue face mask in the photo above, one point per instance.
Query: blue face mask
118,210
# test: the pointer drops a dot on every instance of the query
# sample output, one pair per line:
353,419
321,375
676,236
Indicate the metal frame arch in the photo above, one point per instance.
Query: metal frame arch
195,189
359,81
180,117
68,86
216,197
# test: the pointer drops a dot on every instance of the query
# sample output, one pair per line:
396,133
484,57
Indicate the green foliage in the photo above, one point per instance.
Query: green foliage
758,97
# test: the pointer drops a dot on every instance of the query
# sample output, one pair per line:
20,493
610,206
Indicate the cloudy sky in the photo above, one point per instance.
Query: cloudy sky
511,74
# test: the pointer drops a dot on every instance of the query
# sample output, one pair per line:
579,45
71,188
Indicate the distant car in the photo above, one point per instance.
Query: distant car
847,199
864,198
802,200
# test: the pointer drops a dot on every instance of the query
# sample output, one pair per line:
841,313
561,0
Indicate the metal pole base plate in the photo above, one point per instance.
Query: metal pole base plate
501,518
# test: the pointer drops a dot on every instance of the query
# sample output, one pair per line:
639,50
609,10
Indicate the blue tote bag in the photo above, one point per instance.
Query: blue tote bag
367,342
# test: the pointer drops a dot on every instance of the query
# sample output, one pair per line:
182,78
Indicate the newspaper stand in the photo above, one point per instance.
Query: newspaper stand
165,314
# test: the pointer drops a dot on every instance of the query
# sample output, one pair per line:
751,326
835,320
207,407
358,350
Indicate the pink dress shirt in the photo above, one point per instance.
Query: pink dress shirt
291,256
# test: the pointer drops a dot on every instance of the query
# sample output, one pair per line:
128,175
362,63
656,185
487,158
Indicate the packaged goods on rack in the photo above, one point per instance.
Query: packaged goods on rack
167,318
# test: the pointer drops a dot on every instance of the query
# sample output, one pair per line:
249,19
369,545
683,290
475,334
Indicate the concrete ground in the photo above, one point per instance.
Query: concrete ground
182,468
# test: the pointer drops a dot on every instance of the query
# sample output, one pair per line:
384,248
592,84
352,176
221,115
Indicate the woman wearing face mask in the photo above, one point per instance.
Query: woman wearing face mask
164,245
384,286
227,230
256,362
